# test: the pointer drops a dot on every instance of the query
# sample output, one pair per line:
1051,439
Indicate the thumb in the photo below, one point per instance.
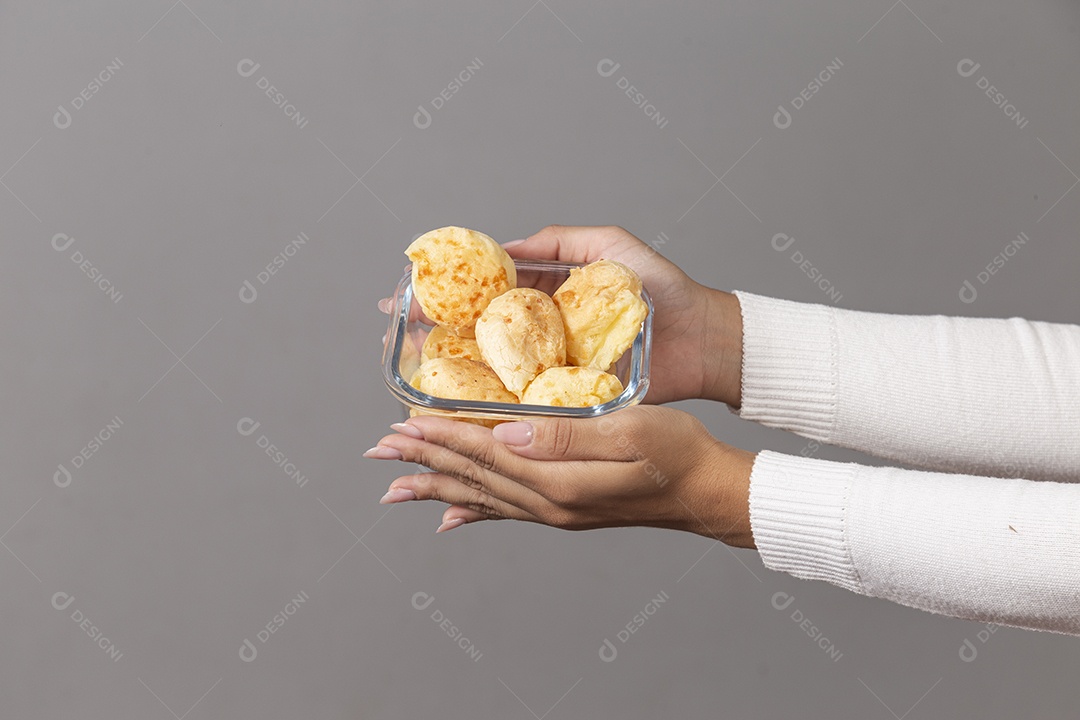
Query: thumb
568,243
601,438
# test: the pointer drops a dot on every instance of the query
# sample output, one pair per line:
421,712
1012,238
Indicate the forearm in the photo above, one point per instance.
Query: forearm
983,396
989,549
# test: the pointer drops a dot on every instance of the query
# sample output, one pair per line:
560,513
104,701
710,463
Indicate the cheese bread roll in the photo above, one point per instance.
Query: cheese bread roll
520,335
602,312
441,342
572,387
455,274
461,379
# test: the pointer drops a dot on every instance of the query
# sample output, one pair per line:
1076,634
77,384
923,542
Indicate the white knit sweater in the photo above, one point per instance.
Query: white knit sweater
991,407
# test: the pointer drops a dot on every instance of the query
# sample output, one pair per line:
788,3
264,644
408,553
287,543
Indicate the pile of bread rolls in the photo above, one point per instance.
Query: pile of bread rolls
496,342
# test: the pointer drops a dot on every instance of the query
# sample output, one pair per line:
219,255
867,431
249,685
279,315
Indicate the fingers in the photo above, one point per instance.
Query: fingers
472,504
463,451
456,516
569,243
613,437
512,450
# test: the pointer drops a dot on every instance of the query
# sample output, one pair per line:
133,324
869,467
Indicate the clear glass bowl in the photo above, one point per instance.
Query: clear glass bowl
405,338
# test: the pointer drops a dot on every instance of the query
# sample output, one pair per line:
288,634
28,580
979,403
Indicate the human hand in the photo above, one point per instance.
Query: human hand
697,331
646,466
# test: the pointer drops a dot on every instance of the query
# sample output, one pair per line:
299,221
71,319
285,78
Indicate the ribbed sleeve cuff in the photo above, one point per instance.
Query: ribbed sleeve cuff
798,511
789,370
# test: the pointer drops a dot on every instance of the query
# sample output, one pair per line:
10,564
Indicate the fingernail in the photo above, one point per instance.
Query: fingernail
383,453
384,338
384,305
405,429
512,243
450,525
396,495
513,433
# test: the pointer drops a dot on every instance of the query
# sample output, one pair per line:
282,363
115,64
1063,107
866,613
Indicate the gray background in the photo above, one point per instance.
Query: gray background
180,179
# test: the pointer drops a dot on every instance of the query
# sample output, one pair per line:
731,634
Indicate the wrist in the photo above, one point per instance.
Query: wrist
722,348
718,505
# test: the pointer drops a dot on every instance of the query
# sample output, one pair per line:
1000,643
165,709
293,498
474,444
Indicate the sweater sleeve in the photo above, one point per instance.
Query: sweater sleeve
990,549
972,395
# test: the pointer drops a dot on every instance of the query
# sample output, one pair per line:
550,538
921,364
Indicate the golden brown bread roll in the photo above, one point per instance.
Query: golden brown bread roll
441,342
456,272
520,335
572,387
461,379
602,311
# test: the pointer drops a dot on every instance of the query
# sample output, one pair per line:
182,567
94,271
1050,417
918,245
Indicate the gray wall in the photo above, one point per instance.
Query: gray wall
179,180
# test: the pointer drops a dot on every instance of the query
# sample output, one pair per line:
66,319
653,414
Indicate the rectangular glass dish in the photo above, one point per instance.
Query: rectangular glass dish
407,331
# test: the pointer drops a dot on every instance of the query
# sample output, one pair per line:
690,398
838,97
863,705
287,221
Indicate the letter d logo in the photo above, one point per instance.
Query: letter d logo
246,426
60,237
422,118
62,118
62,477
61,600
607,68
421,600
781,237
248,293
608,653
248,652
966,67
781,600
968,652
247,68
968,293
782,118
